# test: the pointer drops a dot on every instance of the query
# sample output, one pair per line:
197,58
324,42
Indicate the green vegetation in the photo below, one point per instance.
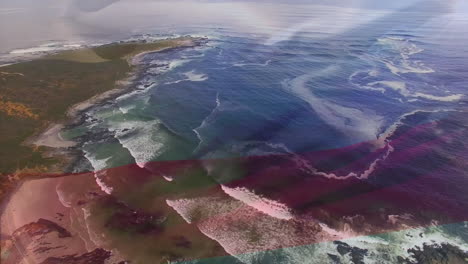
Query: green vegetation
37,93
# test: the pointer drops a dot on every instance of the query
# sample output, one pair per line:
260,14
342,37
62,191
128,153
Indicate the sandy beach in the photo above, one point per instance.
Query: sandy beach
51,138
43,224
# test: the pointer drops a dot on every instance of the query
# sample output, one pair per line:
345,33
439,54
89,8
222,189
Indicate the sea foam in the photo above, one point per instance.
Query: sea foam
360,124
262,204
99,166
141,138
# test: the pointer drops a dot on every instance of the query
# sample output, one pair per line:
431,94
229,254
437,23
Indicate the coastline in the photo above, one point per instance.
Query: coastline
47,140
51,136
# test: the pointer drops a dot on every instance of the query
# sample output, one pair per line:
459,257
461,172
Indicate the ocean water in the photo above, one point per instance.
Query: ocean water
307,88
338,100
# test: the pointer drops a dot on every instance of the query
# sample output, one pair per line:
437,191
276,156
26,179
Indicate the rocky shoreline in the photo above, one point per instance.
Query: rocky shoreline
69,150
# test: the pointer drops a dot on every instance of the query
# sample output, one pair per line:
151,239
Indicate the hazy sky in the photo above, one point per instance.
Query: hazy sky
97,3
26,23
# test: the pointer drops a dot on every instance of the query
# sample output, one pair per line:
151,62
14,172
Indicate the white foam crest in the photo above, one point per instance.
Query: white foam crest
62,199
140,138
126,109
98,166
168,178
133,93
337,234
218,101
182,207
205,122
362,175
383,137
400,87
200,139
196,77
270,207
191,76
104,187
177,63
249,148
226,248
448,98
164,66
199,136
266,63
373,73
396,219
214,38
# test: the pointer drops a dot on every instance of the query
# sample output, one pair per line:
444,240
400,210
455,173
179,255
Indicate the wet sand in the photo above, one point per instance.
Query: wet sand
52,138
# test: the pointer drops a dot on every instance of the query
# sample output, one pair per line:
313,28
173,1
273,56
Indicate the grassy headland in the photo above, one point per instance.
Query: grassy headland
36,94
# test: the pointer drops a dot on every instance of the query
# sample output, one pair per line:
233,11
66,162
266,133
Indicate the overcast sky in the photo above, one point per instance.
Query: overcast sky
25,23
97,3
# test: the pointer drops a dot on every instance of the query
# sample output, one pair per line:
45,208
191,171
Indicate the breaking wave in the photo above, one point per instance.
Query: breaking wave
98,167
262,204
266,63
140,138
191,76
